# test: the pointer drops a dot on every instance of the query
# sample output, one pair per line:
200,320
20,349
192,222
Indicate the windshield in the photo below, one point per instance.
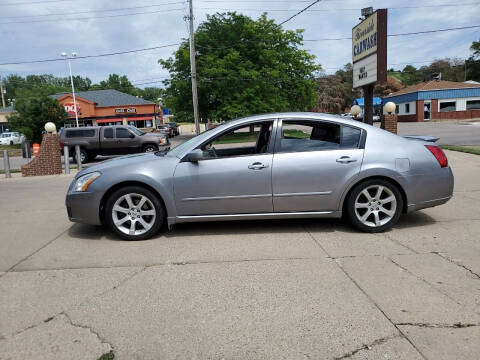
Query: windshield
136,131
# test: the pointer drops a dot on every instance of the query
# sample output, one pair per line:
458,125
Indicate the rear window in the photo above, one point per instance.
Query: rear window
108,133
74,133
350,137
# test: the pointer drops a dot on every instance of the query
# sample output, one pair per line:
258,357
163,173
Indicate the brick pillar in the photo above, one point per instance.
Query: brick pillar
434,110
48,161
389,122
420,110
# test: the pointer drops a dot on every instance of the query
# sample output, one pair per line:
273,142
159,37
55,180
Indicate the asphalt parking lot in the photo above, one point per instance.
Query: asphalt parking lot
308,289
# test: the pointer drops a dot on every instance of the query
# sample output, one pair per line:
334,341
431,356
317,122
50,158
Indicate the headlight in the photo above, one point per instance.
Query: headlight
82,183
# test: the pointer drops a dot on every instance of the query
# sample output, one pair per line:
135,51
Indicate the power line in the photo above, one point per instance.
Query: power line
405,34
90,56
33,2
341,9
89,18
92,11
298,13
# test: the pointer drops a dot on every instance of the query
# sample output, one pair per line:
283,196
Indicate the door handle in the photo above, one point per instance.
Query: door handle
257,166
345,160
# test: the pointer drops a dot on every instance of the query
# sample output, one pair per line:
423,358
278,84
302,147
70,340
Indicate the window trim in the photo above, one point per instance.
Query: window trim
230,129
278,139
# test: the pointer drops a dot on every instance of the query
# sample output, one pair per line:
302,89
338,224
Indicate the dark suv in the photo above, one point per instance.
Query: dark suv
110,140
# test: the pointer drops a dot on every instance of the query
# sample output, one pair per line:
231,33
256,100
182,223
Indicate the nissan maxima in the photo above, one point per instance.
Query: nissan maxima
286,165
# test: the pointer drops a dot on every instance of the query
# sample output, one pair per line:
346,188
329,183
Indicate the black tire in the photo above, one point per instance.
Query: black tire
11,142
150,148
157,222
370,184
84,156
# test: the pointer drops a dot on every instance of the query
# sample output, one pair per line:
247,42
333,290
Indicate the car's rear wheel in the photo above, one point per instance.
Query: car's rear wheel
134,213
150,148
374,205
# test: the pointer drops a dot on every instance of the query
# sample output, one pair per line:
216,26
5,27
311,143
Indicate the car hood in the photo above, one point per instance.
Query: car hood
122,162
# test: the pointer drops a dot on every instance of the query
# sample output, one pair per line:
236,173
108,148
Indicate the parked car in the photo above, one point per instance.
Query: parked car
376,118
10,138
164,129
174,128
293,165
109,140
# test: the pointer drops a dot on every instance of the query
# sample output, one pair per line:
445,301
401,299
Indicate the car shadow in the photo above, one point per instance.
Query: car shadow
246,227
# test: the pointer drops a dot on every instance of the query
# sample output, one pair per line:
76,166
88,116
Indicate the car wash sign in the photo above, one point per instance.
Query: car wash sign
369,50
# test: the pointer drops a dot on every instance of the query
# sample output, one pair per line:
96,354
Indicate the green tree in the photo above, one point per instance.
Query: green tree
117,82
151,93
34,108
244,66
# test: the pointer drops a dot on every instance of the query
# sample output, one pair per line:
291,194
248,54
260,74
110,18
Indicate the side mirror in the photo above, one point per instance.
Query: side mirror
131,136
194,156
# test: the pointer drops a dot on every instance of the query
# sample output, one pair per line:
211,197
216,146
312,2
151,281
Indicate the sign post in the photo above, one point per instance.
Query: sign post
369,57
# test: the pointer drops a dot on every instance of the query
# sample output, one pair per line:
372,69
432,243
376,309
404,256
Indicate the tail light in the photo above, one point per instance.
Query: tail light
439,155
62,144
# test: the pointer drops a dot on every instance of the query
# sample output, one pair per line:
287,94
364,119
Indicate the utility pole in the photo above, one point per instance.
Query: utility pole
1,90
193,72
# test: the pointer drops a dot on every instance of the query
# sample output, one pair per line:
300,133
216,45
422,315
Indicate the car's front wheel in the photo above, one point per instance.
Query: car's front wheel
374,205
134,213
150,148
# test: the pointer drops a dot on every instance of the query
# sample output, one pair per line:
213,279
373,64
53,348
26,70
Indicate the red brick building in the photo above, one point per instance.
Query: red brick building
437,100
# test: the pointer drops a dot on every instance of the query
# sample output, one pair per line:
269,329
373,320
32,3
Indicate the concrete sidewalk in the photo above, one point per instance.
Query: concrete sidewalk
241,290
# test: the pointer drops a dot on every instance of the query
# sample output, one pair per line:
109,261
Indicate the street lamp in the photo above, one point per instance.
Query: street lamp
355,110
390,107
74,54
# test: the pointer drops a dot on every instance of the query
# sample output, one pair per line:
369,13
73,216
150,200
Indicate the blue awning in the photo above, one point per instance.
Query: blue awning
360,102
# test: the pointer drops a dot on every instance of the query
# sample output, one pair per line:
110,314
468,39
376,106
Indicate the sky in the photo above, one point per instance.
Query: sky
43,29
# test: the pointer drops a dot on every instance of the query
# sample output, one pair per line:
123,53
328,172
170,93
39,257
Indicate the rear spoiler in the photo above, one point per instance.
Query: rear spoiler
428,138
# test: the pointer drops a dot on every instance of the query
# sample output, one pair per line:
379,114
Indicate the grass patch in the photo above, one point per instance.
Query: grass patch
297,134
13,150
237,138
2,172
471,149
108,356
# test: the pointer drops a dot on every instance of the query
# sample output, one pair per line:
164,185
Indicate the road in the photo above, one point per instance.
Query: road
289,289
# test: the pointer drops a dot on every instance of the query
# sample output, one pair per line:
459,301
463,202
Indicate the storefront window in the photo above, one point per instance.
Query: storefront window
473,104
448,106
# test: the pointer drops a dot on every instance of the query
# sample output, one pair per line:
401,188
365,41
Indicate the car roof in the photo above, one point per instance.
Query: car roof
303,115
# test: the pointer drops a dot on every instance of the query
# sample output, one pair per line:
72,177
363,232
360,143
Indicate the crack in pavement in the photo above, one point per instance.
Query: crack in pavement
368,297
102,340
425,281
399,243
367,347
458,325
445,256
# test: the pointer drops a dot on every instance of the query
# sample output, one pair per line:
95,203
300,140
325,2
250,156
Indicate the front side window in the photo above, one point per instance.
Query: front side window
122,133
246,140
448,106
300,135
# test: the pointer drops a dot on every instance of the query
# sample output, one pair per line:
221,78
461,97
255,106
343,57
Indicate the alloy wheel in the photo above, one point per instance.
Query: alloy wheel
375,205
133,214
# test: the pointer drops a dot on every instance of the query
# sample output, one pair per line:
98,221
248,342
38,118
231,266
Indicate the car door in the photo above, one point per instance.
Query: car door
313,162
124,141
234,177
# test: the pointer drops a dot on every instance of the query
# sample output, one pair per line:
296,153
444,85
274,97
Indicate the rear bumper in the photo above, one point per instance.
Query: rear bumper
84,207
427,204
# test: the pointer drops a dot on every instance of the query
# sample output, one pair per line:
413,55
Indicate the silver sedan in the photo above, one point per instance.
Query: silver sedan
285,165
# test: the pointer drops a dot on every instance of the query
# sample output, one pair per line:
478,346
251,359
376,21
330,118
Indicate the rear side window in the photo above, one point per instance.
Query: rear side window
74,133
108,133
122,133
301,135
350,137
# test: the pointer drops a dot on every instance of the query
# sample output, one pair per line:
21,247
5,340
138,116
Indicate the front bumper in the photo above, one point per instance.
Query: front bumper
84,207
